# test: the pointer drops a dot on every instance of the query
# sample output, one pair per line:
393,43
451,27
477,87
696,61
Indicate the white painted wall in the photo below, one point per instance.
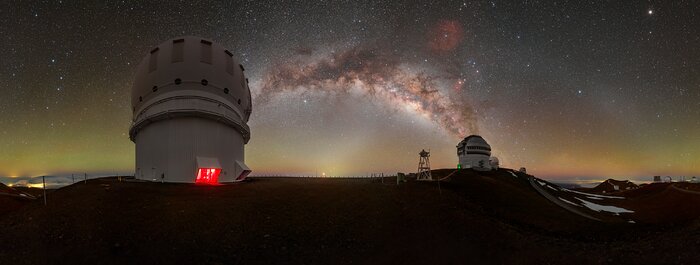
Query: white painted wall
176,122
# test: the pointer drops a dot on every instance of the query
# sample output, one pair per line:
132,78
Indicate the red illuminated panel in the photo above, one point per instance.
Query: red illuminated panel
208,176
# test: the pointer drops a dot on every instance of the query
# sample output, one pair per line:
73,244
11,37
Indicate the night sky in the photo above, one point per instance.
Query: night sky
567,89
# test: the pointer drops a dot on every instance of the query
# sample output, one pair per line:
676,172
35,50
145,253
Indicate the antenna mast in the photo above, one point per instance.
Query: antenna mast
424,166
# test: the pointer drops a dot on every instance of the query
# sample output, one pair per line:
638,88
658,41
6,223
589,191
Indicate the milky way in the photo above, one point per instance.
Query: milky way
376,74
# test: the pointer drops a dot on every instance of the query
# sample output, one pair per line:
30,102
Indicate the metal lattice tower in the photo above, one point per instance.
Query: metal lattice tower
424,166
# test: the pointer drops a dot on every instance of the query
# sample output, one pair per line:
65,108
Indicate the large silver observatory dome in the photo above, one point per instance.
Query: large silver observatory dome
191,104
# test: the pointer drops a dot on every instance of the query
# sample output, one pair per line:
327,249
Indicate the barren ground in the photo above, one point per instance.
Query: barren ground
480,219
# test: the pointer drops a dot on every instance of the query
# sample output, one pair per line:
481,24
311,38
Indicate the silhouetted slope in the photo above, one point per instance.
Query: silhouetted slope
612,186
664,203
472,218
12,199
509,195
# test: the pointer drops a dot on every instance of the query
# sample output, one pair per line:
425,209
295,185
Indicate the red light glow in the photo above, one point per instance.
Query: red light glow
208,176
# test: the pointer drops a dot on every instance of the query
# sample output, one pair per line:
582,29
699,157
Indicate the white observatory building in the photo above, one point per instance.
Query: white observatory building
191,105
475,153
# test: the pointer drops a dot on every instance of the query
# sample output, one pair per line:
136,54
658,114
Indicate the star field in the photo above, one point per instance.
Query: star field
566,89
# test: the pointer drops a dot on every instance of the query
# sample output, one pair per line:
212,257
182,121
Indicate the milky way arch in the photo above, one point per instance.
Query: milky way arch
377,74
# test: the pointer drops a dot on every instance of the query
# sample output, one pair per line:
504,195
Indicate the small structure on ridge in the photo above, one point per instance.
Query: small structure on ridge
424,166
475,153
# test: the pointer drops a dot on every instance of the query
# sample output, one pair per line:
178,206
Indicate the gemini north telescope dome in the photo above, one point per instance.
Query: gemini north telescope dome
191,104
475,153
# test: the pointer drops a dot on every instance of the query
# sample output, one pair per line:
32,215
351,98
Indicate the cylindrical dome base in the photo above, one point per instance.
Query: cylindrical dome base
185,149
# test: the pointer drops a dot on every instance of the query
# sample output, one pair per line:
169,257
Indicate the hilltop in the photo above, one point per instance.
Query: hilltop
469,217
611,186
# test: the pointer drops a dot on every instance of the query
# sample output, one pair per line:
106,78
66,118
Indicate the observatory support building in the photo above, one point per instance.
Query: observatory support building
191,104
475,153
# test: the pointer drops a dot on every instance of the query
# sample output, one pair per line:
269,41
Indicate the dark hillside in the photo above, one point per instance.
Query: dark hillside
12,199
472,218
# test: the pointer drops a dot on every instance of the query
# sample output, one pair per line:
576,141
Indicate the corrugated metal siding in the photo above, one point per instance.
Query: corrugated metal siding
174,145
